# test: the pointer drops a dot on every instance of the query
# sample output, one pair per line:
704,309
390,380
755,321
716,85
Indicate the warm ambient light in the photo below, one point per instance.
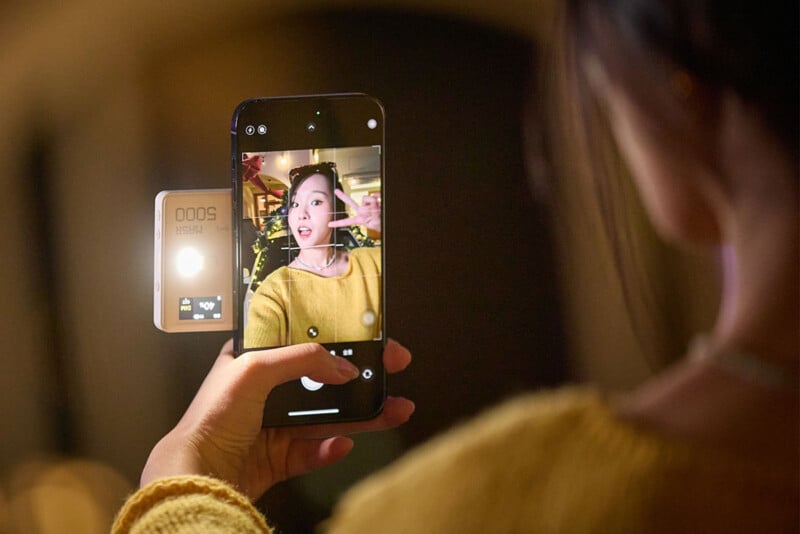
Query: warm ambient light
189,262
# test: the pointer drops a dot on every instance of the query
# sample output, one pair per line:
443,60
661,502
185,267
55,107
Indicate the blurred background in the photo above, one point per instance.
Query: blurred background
495,290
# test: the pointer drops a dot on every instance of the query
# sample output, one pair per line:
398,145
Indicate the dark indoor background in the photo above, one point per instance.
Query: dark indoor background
102,107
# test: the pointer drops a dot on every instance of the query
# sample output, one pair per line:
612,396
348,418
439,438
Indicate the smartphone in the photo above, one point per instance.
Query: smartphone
309,244
192,261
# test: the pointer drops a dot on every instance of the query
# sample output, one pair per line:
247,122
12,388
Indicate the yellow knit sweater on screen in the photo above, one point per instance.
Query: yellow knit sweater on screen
557,462
296,306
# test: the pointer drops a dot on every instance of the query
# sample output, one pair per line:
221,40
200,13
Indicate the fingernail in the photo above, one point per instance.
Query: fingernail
346,368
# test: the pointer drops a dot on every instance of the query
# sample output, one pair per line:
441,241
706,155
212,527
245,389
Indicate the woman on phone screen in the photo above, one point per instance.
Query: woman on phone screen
326,294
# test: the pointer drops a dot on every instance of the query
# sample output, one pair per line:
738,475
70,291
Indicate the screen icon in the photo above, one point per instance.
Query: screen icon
310,385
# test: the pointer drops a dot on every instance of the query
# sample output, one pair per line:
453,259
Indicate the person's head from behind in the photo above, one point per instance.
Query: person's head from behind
676,76
313,204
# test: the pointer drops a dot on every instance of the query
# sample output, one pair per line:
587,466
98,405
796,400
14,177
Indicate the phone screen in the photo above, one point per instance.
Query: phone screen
309,210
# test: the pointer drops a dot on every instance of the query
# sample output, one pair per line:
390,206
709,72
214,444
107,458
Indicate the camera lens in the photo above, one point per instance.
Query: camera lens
311,127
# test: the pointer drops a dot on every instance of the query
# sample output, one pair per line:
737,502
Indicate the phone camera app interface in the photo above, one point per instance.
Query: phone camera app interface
311,246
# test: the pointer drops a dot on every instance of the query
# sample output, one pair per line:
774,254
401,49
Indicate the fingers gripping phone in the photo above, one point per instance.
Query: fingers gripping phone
308,177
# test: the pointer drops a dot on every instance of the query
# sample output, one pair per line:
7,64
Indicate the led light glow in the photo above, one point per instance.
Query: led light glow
189,262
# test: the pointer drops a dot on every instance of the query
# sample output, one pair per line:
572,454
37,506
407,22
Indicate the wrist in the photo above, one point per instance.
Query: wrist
171,456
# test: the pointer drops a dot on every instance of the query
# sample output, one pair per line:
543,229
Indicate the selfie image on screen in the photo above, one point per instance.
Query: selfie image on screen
311,246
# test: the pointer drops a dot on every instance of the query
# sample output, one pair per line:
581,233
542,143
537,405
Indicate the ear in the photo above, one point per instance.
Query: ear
672,160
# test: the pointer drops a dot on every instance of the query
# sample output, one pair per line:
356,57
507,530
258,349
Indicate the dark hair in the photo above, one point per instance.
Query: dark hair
651,49
655,46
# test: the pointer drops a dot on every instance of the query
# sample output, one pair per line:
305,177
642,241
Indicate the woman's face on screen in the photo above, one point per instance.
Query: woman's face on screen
310,211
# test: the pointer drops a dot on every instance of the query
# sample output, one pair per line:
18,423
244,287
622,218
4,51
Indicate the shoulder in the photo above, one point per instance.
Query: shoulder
366,257
364,260
500,471
279,274
563,461
273,280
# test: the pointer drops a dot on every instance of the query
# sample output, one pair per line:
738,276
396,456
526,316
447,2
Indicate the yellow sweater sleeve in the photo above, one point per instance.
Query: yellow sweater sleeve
188,504
268,316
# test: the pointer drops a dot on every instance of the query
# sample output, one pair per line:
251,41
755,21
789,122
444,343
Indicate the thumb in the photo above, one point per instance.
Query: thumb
264,369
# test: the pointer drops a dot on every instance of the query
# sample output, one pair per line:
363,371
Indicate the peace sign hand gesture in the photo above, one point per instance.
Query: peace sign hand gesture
368,214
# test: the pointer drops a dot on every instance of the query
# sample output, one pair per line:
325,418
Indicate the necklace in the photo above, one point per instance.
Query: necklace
314,267
740,363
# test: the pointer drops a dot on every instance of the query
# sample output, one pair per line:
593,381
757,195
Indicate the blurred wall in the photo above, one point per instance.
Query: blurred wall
102,106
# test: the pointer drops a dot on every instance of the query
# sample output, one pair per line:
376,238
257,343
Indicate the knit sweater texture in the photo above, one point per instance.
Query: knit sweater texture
560,462
297,306
188,504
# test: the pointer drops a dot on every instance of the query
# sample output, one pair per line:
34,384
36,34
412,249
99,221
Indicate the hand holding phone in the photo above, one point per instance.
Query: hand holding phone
308,178
221,435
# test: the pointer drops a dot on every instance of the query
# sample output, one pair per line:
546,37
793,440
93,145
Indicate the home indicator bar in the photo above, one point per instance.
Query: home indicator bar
314,412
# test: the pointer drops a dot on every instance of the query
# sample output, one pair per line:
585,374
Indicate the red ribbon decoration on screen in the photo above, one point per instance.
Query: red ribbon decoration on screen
250,168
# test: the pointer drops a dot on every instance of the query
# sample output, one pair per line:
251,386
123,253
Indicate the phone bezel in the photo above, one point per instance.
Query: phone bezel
341,122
